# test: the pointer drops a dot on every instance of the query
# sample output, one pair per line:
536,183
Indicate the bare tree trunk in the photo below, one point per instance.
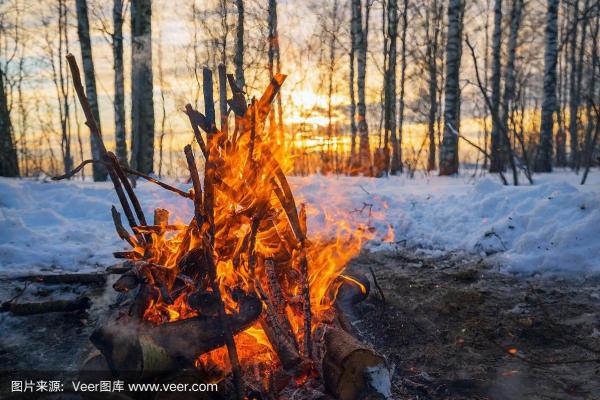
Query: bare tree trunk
544,155
510,75
83,31
432,54
364,152
576,98
397,141
238,58
62,86
497,150
573,95
273,49
590,140
390,80
449,148
562,65
142,104
119,100
9,163
355,26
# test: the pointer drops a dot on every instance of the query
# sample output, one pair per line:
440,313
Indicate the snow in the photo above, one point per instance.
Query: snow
551,226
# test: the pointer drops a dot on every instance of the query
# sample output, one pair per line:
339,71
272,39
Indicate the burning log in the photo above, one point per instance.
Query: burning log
351,370
146,349
41,307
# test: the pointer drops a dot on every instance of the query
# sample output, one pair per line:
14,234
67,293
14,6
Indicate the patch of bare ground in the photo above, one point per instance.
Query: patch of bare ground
456,328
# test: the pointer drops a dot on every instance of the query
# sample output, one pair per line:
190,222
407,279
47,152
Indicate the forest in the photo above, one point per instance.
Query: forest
300,199
369,92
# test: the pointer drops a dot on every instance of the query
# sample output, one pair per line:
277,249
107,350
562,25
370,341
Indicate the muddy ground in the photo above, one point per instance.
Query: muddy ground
452,327
455,328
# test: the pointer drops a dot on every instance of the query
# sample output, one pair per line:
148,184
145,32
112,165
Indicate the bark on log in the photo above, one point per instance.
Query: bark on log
84,278
138,350
79,304
353,371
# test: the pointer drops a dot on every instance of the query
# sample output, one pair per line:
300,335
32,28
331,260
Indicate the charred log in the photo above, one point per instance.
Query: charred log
78,304
139,349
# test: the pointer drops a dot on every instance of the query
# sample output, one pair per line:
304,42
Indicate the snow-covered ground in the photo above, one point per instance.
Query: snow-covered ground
553,225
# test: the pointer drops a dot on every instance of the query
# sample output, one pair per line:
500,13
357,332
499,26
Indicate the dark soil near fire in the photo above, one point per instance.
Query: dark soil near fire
448,327
453,327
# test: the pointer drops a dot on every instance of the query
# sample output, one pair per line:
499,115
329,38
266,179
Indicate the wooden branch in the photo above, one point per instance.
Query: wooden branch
91,123
223,99
197,119
121,231
156,181
128,188
71,173
287,354
127,170
198,209
279,303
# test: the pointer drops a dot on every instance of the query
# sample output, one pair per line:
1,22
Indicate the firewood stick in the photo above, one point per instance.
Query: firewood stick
209,102
128,171
193,121
198,209
228,333
306,305
278,301
129,255
287,354
158,228
223,99
91,123
121,231
209,237
128,188
156,181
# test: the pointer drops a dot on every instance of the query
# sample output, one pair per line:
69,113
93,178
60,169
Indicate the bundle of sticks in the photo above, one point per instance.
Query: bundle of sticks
241,259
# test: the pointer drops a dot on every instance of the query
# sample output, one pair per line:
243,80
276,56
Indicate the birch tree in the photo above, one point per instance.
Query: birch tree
9,165
497,142
355,26
362,44
390,79
396,164
142,103
119,82
83,32
449,147
510,73
543,162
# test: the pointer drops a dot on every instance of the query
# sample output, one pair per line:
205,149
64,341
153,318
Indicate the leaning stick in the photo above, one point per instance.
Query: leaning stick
91,123
198,211
121,231
128,188
223,99
193,121
209,236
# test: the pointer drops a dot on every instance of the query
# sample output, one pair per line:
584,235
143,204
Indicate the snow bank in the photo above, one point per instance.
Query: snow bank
551,226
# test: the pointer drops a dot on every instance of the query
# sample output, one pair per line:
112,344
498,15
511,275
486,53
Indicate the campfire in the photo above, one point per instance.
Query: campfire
241,293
